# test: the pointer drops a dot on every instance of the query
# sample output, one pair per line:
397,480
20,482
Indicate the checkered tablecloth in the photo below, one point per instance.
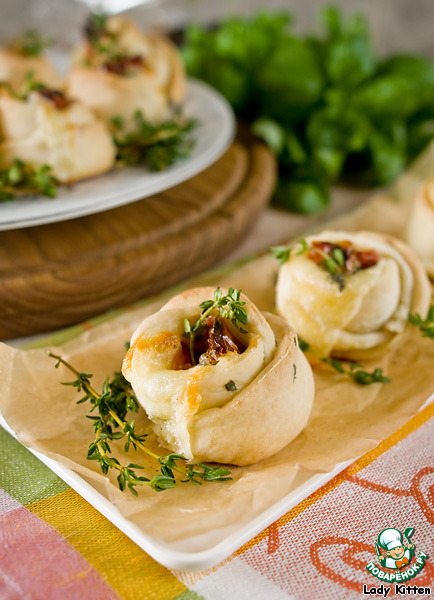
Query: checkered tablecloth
55,546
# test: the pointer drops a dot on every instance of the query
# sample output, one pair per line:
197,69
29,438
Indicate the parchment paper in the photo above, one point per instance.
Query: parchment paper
347,419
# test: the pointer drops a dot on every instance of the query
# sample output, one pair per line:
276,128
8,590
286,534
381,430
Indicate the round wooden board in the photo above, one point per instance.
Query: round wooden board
60,274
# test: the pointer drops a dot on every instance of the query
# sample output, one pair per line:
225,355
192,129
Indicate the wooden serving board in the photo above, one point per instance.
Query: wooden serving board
63,273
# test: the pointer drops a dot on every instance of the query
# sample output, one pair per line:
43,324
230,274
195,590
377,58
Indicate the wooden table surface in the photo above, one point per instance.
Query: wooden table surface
273,227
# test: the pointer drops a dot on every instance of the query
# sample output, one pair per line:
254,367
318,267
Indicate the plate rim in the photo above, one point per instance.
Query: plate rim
161,551
180,172
164,553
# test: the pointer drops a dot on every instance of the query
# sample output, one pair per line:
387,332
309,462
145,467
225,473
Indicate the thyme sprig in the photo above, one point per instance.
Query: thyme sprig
283,253
229,307
355,371
30,43
113,404
425,325
28,85
156,146
23,179
96,26
102,41
333,263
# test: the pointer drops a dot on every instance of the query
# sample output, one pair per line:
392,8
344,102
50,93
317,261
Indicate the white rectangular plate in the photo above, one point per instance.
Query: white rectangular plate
201,552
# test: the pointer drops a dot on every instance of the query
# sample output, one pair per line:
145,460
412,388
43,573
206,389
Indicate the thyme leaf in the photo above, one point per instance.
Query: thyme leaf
229,306
283,253
22,179
231,386
156,146
29,84
304,346
30,43
95,26
356,372
333,261
113,405
426,325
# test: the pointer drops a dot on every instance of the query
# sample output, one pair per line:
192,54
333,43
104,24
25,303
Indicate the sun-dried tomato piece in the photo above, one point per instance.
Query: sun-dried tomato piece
367,258
58,98
214,341
353,260
219,340
182,359
124,64
318,257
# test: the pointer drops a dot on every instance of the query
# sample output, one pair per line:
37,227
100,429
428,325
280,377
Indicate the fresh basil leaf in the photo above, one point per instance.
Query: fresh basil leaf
303,196
388,159
271,132
294,149
290,81
387,96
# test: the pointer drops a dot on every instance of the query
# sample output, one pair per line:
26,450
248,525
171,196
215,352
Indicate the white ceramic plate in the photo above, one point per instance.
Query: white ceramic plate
200,552
213,134
196,553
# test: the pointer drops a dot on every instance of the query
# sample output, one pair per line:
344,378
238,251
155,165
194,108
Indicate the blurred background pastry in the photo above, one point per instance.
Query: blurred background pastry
348,294
41,126
119,70
24,55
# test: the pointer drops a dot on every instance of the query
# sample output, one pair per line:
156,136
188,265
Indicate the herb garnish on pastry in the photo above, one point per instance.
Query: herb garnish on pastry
220,381
347,294
120,70
42,126
24,55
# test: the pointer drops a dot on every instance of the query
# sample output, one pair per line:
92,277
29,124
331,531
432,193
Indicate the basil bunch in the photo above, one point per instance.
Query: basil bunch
327,105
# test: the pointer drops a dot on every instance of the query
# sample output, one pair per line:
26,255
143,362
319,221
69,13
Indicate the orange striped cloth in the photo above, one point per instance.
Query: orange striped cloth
54,545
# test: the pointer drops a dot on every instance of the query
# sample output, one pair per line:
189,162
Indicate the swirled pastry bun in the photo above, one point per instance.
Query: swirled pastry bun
364,304
49,130
143,72
236,407
420,231
15,67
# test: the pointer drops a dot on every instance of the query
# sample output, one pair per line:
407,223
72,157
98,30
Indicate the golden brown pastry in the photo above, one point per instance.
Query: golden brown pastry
47,129
16,66
120,70
244,394
420,231
348,294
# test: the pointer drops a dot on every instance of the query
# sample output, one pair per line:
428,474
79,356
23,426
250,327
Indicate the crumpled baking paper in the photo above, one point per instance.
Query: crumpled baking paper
347,419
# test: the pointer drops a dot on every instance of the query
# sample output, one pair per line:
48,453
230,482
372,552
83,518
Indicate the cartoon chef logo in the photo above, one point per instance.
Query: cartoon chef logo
397,553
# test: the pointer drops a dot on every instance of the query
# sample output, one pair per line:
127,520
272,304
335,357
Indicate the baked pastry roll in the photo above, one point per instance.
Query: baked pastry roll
348,294
47,129
420,230
120,70
247,395
15,67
